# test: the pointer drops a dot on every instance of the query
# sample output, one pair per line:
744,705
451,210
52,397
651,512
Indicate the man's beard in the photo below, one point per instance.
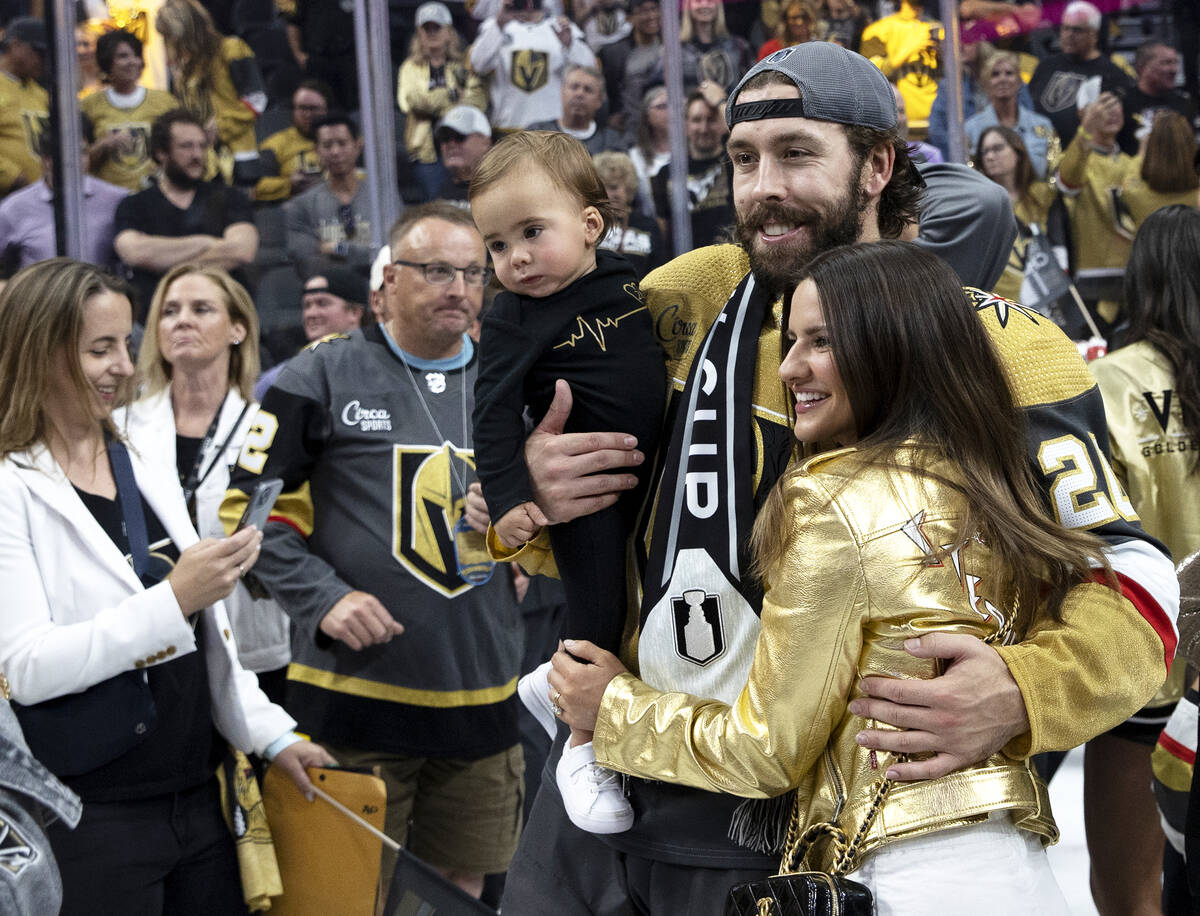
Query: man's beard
181,179
776,266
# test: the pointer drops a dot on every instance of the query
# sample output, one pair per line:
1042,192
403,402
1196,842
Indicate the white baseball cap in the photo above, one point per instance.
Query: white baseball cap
382,260
463,120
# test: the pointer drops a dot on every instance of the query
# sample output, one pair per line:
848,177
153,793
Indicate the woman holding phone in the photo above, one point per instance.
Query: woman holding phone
197,365
113,636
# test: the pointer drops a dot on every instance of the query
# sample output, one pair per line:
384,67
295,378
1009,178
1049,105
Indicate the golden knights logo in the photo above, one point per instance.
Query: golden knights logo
699,637
716,66
530,70
16,854
136,150
36,124
428,504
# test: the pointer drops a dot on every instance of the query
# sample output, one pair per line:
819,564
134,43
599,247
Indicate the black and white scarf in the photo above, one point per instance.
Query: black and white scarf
699,621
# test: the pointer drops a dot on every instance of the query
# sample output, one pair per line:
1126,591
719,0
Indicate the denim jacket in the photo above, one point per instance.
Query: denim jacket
30,799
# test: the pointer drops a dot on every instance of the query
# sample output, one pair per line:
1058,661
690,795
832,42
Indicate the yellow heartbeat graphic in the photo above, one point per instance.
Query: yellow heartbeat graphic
597,332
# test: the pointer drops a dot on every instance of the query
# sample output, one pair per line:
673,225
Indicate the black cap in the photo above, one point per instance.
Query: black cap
341,282
28,30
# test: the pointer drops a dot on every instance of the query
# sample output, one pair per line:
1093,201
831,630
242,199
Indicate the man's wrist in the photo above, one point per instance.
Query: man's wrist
287,739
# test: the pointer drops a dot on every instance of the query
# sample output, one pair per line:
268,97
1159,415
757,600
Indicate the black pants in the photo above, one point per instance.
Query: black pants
560,870
590,554
171,854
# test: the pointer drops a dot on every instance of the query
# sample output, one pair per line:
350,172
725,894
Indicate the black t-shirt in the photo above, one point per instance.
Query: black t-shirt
1137,104
710,198
327,26
183,750
214,208
1055,86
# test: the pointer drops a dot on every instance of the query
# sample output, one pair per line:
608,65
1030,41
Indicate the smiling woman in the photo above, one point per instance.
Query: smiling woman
113,635
860,548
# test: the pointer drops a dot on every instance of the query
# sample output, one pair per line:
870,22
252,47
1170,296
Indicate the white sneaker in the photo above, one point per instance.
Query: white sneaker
592,794
534,691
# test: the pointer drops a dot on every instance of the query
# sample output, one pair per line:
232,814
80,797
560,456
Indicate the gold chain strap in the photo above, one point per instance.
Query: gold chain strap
797,844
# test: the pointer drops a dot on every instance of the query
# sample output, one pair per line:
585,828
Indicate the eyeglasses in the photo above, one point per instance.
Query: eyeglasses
439,273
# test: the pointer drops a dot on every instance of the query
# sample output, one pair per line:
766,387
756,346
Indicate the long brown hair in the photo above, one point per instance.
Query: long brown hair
1169,162
918,366
193,41
1162,293
1024,174
154,370
41,314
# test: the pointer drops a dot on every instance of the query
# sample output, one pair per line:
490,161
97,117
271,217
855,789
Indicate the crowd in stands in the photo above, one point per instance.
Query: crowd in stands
258,78
222,150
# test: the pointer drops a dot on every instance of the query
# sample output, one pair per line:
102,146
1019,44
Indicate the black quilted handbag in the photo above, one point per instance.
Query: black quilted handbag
811,893
806,893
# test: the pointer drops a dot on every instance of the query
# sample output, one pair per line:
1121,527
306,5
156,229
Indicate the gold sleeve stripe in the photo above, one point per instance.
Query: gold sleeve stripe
376,690
1172,772
294,508
232,507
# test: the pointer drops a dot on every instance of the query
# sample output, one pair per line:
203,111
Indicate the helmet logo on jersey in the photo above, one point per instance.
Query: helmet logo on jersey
428,504
530,70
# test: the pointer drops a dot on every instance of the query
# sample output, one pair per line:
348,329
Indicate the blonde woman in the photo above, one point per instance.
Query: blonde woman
433,79
198,364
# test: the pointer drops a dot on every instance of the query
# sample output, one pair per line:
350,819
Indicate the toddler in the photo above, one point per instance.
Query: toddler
575,313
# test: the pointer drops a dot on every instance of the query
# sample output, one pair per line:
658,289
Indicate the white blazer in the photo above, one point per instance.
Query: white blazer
73,613
260,628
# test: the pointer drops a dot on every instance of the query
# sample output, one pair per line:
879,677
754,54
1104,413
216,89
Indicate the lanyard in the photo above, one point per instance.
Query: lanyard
192,482
131,506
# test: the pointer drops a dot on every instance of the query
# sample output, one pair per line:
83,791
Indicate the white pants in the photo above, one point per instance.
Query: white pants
986,869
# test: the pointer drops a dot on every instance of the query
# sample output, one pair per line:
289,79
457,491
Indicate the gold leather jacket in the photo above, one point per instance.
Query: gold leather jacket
874,556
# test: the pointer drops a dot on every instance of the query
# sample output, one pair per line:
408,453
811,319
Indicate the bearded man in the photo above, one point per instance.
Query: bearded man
182,218
817,162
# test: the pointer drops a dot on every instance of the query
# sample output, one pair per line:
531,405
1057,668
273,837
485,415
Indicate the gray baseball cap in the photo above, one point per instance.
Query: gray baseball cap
835,85
437,13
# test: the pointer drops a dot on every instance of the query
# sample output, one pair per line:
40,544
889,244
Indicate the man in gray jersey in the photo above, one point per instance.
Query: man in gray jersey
405,652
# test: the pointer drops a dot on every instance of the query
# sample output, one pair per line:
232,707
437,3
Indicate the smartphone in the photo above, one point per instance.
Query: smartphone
262,498
1089,91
